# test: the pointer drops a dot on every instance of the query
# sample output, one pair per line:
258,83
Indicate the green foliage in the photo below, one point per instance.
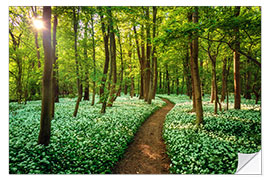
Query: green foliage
212,147
89,143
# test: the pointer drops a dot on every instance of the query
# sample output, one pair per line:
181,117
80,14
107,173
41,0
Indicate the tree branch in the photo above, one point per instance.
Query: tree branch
231,47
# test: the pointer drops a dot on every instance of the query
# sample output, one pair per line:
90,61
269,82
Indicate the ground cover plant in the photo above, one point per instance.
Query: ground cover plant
212,147
88,143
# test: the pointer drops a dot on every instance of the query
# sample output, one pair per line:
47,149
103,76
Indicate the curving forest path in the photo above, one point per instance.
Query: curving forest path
147,153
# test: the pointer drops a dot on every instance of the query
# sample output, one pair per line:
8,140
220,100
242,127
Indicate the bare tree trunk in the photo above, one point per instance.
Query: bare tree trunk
79,84
197,88
236,60
113,60
94,60
177,83
122,66
192,68
148,53
103,96
153,72
54,81
224,84
168,80
46,107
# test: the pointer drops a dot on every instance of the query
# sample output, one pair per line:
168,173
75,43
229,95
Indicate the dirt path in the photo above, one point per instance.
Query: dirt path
147,153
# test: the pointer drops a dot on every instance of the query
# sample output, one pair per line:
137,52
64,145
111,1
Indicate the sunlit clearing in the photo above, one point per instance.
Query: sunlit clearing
38,24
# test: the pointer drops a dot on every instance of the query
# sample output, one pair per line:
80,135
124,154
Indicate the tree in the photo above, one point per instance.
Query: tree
236,64
54,80
103,95
195,71
94,58
112,58
79,84
46,107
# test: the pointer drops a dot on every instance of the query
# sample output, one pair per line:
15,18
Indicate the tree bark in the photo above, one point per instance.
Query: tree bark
86,88
113,60
148,53
94,59
168,80
46,107
54,81
122,65
103,95
236,62
224,80
190,16
79,84
194,58
153,72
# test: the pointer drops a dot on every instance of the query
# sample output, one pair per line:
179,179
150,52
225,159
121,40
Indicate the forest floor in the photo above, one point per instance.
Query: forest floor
147,153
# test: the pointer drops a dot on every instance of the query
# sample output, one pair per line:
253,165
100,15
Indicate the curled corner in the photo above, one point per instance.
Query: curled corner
249,163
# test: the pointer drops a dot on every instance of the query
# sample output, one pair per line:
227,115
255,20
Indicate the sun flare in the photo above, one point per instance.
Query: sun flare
38,24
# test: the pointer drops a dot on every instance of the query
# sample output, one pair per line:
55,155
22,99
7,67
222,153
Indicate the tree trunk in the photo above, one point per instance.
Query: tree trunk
190,16
94,60
160,81
177,82
196,79
122,66
148,53
54,81
143,63
236,62
79,84
113,60
168,80
153,72
103,96
224,80
46,107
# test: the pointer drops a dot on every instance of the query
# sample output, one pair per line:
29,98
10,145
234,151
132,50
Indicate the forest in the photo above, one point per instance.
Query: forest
133,90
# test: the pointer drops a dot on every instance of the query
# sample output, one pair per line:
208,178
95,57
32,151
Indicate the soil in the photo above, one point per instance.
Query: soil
147,153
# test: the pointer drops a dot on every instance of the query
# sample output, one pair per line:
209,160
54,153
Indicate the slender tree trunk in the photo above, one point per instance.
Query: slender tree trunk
212,97
202,75
113,60
148,53
214,80
224,80
168,80
103,95
86,88
143,62
36,39
46,107
192,69
79,84
177,82
160,81
94,60
54,81
197,88
153,72
236,62
122,65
